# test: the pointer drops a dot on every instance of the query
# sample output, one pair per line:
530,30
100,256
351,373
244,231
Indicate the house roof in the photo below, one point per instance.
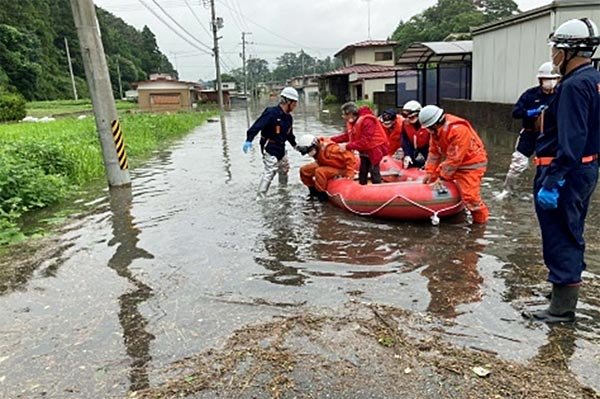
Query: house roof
191,85
360,69
367,43
418,53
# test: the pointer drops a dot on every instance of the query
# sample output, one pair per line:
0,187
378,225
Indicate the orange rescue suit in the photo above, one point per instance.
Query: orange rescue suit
456,152
330,162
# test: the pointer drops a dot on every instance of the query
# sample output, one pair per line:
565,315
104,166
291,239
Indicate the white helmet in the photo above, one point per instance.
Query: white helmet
306,143
546,71
430,115
289,93
576,34
412,106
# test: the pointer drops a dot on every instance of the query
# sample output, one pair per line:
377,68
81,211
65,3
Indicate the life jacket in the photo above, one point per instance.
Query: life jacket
379,136
327,156
475,156
418,138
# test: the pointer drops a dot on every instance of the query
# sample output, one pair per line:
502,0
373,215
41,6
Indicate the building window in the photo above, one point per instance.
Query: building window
225,85
383,55
391,88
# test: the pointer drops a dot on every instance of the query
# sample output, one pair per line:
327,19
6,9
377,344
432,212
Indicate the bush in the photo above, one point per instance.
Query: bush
330,99
12,107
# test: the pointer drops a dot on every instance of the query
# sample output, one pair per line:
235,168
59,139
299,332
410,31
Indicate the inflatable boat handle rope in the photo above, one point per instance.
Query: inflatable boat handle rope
435,219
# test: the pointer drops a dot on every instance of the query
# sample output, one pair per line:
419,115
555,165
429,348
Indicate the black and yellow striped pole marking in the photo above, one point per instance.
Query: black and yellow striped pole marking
120,144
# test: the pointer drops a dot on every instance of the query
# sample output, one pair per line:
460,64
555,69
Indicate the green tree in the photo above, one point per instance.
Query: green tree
450,17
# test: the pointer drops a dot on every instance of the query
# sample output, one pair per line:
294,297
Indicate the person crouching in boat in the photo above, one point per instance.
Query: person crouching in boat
414,137
365,134
330,161
456,153
392,122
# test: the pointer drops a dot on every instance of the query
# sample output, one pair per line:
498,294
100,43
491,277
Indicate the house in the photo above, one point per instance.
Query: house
368,68
229,86
358,82
307,86
212,96
374,52
506,56
164,93
508,53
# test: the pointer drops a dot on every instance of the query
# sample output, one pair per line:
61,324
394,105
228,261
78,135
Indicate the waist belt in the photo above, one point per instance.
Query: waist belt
545,161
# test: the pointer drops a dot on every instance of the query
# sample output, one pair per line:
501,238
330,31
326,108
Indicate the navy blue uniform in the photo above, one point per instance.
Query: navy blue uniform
275,127
531,99
571,132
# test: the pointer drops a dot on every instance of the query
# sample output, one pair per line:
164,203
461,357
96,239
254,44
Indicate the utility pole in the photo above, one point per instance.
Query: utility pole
120,83
244,60
216,25
98,79
75,96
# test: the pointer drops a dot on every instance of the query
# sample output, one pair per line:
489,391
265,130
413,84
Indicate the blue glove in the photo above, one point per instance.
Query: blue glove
247,146
547,199
532,113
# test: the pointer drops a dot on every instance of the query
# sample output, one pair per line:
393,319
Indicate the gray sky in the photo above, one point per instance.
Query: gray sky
320,27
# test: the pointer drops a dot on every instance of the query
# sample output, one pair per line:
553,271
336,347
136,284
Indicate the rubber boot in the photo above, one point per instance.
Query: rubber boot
312,192
322,196
562,306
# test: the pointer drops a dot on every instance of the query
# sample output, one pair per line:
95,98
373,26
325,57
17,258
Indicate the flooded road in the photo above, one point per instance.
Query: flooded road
146,277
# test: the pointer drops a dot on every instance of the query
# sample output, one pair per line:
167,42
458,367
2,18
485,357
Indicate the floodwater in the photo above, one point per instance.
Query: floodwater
146,277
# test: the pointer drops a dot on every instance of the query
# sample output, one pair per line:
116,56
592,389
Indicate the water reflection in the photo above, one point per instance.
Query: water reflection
450,268
125,237
279,240
226,158
559,349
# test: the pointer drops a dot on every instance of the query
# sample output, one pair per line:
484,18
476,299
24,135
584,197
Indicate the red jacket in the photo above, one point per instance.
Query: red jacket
367,136
394,134
456,146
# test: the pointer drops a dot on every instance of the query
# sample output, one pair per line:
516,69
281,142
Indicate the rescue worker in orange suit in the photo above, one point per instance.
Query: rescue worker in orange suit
365,134
330,161
457,153
529,109
567,165
415,138
392,122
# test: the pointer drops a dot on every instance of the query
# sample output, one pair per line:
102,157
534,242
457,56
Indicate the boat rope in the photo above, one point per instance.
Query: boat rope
435,219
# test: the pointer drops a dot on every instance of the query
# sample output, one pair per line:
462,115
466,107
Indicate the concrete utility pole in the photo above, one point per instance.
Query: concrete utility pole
75,96
216,25
244,61
120,83
96,72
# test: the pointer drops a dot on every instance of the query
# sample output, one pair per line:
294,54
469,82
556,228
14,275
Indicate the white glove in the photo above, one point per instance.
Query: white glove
407,162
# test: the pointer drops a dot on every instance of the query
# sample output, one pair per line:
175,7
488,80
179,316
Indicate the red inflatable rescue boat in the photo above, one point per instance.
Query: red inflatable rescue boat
402,195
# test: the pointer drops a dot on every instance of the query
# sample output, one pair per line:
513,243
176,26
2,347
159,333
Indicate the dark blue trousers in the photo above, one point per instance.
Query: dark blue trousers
562,228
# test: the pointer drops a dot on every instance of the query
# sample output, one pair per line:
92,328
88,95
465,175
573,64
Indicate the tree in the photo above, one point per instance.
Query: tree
450,17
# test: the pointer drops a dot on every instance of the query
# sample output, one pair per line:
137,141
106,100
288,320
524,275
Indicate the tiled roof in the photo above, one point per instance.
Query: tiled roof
367,43
360,69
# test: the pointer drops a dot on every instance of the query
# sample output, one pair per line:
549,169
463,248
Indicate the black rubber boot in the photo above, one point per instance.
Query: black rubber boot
562,306
313,192
322,196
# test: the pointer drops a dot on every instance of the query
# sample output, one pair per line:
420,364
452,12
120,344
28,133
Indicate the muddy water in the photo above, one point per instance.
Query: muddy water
147,277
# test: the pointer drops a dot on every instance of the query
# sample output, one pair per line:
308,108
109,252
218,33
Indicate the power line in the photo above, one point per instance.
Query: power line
269,30
173,29
197,19
179,25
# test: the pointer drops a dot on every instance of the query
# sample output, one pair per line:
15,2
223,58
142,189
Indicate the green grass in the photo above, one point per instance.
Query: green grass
42,163
40,109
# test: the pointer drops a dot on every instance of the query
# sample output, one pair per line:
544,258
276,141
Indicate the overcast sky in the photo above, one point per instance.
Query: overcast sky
320,27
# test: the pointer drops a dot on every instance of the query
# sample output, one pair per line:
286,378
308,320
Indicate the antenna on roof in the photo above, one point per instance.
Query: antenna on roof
368,16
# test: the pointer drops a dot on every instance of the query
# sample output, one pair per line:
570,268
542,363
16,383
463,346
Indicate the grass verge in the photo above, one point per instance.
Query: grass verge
41,163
